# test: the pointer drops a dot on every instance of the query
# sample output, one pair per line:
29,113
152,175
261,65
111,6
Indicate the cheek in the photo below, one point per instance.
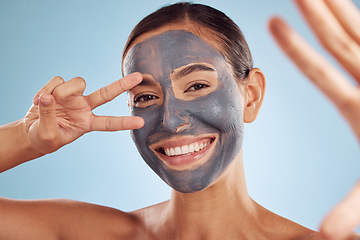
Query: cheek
150,115
221,109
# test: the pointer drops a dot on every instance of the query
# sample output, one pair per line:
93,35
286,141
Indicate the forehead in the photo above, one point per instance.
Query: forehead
168,51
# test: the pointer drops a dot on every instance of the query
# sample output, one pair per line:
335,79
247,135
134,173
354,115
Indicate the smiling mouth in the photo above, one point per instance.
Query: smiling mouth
186,153
185,150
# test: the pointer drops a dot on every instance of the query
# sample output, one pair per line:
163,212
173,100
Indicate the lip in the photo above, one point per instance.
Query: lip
185,161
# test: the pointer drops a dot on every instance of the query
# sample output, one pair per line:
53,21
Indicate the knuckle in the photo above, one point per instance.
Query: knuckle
122,85
46,112
104,93
340,44
350,103
109,124
346,46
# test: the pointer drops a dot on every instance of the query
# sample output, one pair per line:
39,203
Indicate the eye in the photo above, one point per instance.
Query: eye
144,98
196,87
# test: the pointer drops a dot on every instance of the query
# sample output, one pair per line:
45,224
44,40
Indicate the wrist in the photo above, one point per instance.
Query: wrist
27,144
16,147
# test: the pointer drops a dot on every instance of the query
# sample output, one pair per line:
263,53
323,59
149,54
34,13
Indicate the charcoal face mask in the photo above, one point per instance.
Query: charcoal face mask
219,112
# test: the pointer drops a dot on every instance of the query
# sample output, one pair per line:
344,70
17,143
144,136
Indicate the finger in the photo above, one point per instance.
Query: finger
48,88
105,123
47,123
332,35
344,217
73,87
348,15
113,90
330,81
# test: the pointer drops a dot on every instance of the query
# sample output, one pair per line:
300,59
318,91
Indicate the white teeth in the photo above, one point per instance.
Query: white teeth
172,152
191,148
177,151
185,149
197,148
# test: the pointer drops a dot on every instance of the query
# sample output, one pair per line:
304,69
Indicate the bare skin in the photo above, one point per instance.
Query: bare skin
224,210
225,206
336,25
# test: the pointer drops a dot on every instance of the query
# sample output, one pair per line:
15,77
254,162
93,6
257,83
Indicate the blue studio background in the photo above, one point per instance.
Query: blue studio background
300,156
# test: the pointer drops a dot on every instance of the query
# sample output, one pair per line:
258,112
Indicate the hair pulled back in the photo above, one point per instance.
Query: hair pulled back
227,34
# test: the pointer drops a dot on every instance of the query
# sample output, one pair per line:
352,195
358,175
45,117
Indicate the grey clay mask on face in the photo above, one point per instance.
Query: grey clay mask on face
218,112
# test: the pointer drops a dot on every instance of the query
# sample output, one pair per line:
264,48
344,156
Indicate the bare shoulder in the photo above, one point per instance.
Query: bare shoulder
63,219
148,221
94,221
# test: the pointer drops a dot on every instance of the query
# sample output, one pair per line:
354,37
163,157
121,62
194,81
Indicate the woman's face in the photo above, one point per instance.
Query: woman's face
191,106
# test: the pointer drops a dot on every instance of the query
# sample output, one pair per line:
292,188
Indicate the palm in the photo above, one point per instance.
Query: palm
73,118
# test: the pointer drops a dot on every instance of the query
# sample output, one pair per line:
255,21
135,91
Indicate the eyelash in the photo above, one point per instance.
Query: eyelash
143,96
196,85
149,97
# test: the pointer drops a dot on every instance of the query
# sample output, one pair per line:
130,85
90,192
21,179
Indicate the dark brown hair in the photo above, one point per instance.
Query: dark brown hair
226,33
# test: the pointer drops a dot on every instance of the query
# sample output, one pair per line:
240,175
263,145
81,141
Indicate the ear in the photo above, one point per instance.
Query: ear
254,94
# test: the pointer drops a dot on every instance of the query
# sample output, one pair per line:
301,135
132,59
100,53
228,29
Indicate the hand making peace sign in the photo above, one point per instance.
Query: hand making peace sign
60,113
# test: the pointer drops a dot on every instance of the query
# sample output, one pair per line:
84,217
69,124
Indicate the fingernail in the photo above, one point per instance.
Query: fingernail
46,100
36,100
138,76
141,122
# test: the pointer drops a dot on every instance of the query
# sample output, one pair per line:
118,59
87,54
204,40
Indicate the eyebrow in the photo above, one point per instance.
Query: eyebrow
193,68
146,82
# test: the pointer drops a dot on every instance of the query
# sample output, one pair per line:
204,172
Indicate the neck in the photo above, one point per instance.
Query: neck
225,207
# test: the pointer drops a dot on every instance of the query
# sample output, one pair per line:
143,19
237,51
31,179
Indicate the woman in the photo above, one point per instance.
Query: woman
194,98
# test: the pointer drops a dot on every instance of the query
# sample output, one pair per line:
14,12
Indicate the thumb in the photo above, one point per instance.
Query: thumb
47,123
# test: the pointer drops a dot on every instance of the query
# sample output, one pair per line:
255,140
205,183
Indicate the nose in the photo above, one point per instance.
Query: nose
174,116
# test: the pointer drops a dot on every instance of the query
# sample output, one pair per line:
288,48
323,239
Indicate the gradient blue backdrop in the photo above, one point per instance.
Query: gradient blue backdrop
300,156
